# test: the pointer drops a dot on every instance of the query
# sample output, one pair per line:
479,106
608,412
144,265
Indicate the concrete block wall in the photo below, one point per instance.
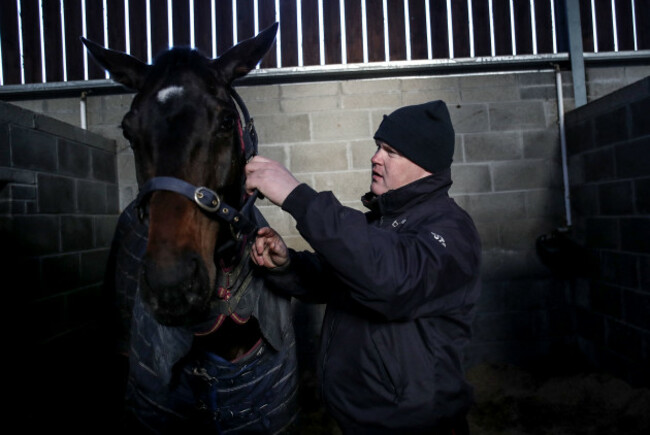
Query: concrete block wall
609,146
58,209
506,168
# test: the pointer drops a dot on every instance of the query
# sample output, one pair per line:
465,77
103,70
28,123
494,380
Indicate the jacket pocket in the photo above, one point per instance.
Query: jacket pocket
387,363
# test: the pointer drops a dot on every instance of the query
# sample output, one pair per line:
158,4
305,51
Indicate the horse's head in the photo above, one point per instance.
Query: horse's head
183,125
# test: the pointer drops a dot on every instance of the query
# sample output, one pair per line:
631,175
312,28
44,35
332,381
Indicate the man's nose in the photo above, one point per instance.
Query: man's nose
376,158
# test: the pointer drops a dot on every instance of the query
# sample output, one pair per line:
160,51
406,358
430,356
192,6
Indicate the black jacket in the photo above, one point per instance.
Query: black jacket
400,283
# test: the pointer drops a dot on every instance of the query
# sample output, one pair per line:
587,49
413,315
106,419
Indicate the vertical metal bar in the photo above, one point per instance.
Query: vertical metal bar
594,25
321,32
492,44
127,30
2,75
41,27
565,168
470,19
614,26
105,14
633,5
192,30
575,52
553,26
170,25
299,31
20,42
407,28
234,22
256,17
63,45
213,27
384,9
149,42
344,43
364,30
84,32
512,29
278,45
427,11
450,30
533,25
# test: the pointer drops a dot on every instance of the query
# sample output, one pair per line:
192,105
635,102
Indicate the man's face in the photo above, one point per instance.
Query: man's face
391,170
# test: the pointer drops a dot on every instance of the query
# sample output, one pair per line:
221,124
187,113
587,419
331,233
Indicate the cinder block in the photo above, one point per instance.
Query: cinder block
639,117
616,198
74,159
56,194
600,165
362,151
483,147
642,196
541,144
319,157
275,129
370,86
372,101
490,206
548,203
258,93
277,153
632,158
60,273
340,125
449,96
33,150
429,83
499,264
14,114
635,233
488,94
522,174
602,233
315,89
36,235
93,266
104,228
489,234
5,152
309,104
76,233
539,78
470,179
91,197
279,220
637,307
469,118
520,234
346,186
126,167
517,116
103,166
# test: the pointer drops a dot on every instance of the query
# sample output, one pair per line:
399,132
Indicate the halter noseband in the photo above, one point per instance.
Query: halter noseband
207,199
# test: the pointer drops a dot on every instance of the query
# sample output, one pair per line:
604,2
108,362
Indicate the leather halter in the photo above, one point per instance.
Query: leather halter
207,199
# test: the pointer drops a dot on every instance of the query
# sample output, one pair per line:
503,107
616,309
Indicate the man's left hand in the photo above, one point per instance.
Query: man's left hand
270,178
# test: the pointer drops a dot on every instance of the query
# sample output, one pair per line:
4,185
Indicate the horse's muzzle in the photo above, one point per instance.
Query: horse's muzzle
177,292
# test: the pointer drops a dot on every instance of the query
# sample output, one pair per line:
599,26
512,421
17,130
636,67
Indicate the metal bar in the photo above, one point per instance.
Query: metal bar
364,29
321,32
563,152
63,46
492,43
407,29
614,27
278,37
450,30
512,29
576,53
384,9
127,30
553,26
634,35
299,31
344,44
533,25
470,19
427,11
42,38
594,25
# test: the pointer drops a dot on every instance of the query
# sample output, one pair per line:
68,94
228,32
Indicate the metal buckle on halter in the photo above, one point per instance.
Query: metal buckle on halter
207,199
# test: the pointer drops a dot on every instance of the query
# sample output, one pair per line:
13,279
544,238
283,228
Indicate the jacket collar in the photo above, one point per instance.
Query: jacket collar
395,201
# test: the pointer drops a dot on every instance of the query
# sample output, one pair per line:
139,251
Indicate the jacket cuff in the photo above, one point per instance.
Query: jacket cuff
298,200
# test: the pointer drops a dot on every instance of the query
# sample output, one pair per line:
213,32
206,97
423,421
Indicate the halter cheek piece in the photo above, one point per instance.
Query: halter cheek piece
207,199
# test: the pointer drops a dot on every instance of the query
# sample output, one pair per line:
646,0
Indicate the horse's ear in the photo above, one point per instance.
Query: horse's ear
243,57
123,68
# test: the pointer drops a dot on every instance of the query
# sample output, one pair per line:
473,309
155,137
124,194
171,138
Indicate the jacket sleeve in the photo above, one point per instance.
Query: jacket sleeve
400,275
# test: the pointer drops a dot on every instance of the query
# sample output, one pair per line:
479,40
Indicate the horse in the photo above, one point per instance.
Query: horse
209,348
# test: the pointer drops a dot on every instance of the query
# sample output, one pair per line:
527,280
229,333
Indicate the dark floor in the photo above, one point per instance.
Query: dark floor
514,401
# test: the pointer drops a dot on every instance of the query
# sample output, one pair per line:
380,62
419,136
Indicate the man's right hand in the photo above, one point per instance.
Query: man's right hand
269,250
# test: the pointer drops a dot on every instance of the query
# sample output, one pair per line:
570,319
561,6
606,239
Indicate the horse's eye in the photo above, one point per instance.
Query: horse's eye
227,123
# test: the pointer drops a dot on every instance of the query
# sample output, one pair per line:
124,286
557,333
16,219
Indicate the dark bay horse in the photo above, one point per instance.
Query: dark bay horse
210,350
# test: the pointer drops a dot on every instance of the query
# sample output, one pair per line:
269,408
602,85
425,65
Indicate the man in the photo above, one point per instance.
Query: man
400,281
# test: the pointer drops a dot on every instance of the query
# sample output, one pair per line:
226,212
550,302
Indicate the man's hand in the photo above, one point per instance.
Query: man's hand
270,178
269,250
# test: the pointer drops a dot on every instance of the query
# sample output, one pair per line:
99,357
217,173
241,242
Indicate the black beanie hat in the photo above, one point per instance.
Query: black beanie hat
422,133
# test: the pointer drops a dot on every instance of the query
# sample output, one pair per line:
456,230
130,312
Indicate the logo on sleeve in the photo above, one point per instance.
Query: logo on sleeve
439,239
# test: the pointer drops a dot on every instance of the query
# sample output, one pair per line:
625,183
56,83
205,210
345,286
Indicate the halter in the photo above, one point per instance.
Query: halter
207,199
